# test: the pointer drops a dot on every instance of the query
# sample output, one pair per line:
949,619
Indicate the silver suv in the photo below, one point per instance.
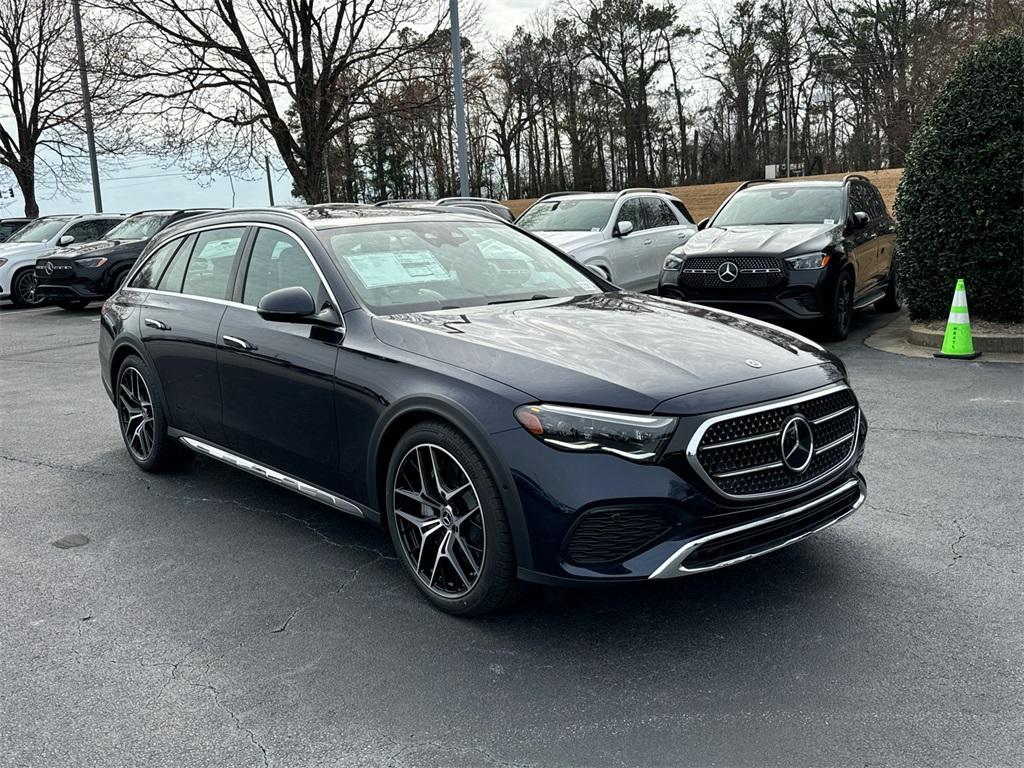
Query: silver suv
623,235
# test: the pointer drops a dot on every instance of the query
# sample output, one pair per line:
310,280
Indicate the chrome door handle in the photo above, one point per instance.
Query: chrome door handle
648,241
237,343
151,323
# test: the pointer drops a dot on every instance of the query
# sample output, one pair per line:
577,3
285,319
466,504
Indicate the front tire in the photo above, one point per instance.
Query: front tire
840,313
140,415
448,523
23,289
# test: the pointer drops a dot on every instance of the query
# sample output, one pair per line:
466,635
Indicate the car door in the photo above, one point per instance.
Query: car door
180,320
277,379
624,250
861,241
664,232
885,235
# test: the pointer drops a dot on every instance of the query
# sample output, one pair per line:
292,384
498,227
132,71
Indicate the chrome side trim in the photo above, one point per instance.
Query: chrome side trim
694,444
279,478
674,565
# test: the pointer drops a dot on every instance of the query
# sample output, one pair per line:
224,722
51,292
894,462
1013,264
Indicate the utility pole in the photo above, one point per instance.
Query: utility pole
87,108
270,187
789,96
460,106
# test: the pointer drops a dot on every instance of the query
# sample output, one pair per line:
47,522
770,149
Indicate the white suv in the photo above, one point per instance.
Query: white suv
18,254
623,235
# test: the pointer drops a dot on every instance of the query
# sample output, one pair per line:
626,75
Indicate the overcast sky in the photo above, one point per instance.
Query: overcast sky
141,183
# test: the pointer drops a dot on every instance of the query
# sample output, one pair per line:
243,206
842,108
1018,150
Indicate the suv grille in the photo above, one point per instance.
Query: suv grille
55,270
610,535
741,456
754,272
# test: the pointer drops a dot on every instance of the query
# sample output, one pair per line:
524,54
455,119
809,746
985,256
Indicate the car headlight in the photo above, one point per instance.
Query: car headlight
808,261
91,263
674,260
638,438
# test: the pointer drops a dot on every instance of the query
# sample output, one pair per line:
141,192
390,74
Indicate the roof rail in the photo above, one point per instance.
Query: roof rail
752,182
858,176
252,209
559,194
644,189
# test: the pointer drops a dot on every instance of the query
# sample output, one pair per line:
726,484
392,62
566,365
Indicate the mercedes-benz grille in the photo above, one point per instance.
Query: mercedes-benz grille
778,448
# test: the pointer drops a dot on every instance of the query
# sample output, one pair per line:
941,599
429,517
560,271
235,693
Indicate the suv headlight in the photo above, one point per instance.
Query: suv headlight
638,438
808,261
91,263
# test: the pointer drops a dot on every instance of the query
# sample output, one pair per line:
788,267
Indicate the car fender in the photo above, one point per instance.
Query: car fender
453,412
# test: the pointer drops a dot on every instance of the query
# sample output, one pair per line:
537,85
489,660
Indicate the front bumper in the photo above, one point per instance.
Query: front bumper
73,291
801,295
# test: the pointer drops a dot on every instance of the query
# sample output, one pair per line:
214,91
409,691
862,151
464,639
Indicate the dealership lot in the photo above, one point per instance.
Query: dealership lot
213,619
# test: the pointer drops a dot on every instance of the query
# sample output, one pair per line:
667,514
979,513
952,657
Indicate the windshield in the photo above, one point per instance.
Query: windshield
420,266
38,231
800,205
141,227
572,215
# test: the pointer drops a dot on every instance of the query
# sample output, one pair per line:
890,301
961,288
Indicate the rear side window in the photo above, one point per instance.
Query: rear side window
152,268
877,204
659,214
678,205
175,273
278,261
213,256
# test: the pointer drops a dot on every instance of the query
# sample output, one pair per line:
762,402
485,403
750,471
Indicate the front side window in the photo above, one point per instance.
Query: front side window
633,212
39,231
569,215
277,261
141,227
213,256
786,205
420,266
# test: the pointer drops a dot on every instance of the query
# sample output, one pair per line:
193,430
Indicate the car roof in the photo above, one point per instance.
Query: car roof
768,184
323,216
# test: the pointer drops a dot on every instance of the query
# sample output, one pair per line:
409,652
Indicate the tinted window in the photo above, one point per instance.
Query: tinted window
678,205
659,214
419,266
278,261
860,198
175,273
877,204
150,271
87,231
569,215
8,229
633,212
213,256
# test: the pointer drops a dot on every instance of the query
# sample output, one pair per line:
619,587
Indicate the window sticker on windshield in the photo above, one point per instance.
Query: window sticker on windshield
378,270
829,221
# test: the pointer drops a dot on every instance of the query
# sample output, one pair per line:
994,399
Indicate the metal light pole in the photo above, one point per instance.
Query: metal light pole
460,107
87,108
270,186
788,97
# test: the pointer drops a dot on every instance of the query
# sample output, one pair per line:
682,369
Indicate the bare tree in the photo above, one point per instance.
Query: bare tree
231,71
40,88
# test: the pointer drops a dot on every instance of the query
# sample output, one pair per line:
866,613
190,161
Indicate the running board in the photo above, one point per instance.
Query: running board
870,300
278,478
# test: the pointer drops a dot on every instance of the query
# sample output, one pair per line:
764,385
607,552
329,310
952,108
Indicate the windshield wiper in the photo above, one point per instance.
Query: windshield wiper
535,297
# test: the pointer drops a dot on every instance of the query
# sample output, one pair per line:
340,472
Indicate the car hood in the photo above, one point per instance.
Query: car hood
774,239
97,248
23,250
615,350
570,241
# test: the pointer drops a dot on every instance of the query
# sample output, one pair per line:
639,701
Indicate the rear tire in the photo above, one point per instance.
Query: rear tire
448,523
142,419
23,289
893,299
839,319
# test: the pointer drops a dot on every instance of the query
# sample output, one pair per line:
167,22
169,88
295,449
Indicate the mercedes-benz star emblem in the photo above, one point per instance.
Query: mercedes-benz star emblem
727,271
797,444
49,267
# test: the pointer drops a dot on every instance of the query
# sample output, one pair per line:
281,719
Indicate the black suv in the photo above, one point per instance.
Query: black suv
93,271
808,250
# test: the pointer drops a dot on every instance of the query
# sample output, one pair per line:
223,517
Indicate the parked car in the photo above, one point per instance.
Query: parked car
9,226
470,204
806,250
80,273
506,414
624,236
18,255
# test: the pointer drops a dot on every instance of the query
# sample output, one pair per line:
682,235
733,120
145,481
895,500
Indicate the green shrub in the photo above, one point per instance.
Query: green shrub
959,205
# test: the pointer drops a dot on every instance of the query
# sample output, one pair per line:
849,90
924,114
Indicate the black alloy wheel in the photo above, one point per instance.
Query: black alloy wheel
448,523
840,317
140,413
23,289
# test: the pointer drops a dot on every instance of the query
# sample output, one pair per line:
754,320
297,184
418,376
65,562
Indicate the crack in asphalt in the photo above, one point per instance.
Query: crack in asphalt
875,428
58,348
44,464
241,727
962,535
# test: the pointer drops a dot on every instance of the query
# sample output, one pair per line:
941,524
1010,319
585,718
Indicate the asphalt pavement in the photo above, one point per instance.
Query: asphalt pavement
215,620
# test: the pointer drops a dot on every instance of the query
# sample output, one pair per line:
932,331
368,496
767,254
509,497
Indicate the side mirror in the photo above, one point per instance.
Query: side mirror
66,240
287,305
623,228
860,219
702,224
